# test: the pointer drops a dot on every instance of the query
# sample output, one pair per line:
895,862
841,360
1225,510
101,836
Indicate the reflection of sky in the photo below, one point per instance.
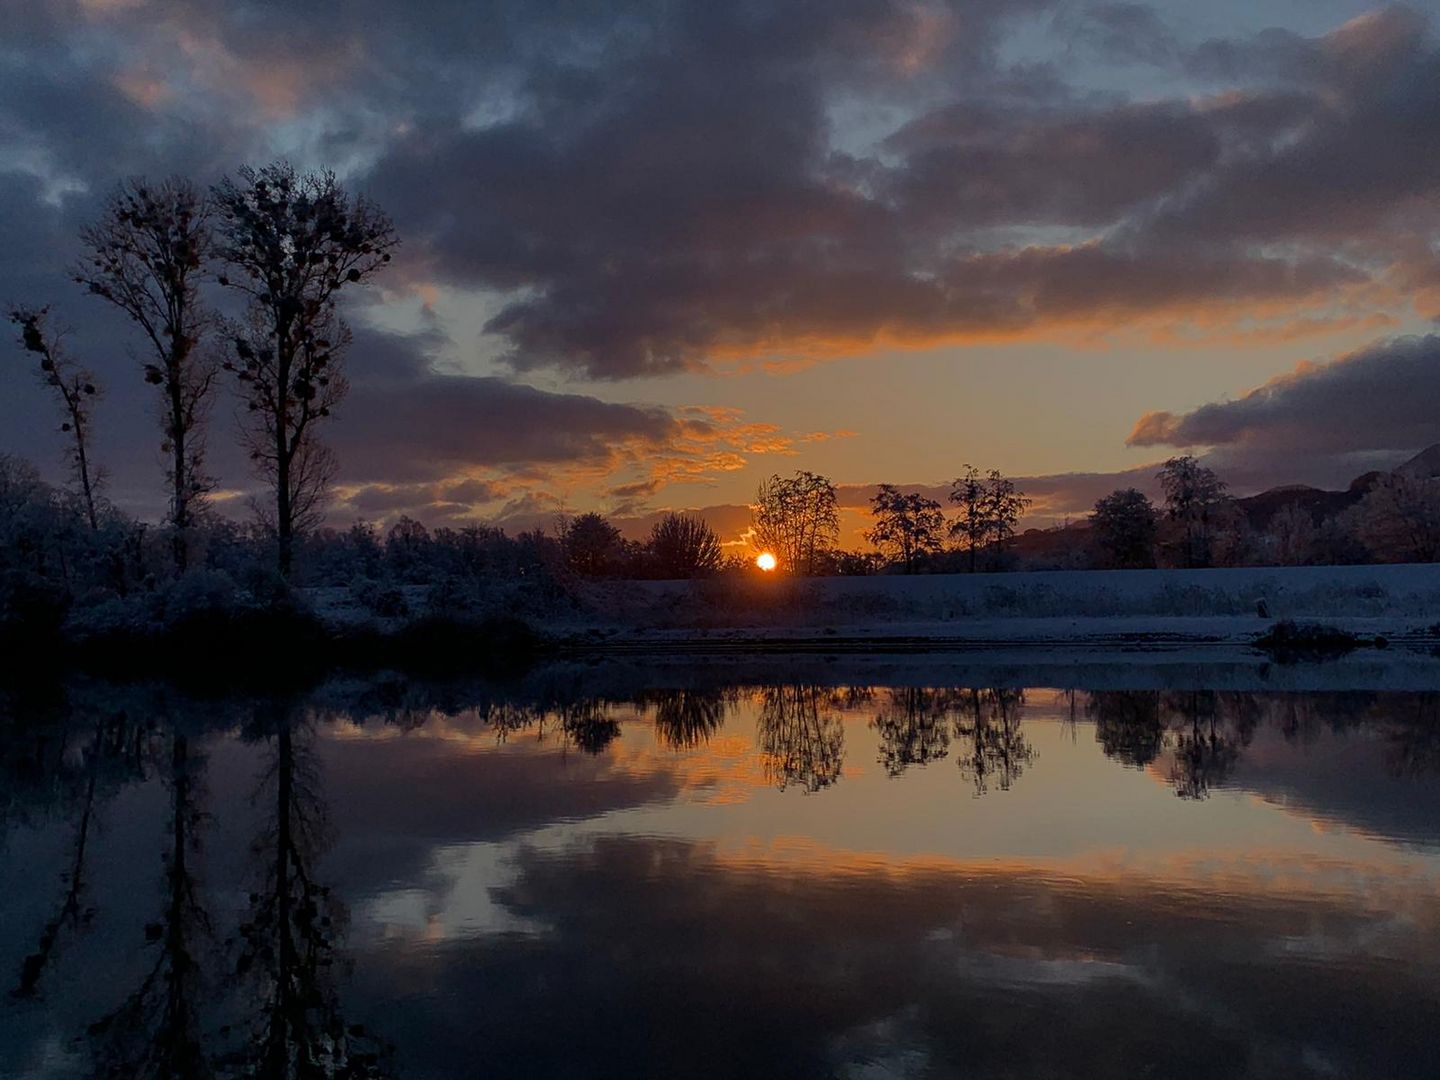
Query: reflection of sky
672,912
1072,814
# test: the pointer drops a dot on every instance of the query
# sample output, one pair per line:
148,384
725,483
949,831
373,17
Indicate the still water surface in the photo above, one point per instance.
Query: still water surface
629,870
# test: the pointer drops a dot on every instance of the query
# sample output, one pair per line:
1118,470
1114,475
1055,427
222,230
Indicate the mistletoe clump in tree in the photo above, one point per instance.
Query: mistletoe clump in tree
290,242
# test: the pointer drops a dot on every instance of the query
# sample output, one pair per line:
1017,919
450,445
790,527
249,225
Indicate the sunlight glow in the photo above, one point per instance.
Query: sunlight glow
765,561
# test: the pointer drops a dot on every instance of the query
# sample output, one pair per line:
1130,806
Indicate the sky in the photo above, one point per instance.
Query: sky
653,252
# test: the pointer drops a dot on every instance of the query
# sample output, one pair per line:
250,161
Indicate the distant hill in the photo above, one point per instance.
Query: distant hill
1064,546
1321,504
1424,465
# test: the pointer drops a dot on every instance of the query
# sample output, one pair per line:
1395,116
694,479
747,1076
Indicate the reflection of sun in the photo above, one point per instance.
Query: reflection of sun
765,561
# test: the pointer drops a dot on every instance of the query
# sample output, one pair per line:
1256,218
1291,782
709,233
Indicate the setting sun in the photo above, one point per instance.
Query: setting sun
765,561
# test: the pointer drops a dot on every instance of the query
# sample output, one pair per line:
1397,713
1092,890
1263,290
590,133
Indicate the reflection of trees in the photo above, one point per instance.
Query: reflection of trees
1205,746
590,724
289,941
993,749
914,728
1413,733
685,719
1128,724
801,737
70,913
157,1031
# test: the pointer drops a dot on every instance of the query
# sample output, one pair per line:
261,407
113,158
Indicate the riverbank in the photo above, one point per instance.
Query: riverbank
1123,609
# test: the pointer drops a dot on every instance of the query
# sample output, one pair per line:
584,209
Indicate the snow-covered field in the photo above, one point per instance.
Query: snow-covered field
1052,607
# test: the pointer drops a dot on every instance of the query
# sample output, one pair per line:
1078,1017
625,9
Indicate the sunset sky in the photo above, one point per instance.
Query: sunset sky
655,251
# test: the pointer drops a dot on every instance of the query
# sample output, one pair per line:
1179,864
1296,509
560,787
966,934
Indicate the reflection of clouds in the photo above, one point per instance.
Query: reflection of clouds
786,959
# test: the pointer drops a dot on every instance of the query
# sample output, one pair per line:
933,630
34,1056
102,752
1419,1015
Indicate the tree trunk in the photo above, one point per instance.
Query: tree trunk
284,512
180,508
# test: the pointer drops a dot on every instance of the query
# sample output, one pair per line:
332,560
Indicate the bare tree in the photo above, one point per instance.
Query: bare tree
75,388
290,242
1004,503
684,547
797,520
908,526
1194,497
990,508
147,255
1125,524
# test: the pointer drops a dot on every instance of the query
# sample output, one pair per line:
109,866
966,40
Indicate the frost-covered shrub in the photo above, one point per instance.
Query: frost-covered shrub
384,599
198,593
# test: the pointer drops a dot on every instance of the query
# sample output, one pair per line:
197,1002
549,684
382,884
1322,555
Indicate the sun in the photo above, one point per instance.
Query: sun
765,561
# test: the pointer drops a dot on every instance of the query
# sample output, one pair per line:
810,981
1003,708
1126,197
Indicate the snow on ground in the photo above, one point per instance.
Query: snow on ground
1118,607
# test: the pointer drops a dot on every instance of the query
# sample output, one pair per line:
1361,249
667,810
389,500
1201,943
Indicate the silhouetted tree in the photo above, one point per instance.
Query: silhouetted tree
290,243
990,508
1400,518
684,547
914,728
75,388
592,545
1194,496
797,519
801,738
147,255
908,526
1125,524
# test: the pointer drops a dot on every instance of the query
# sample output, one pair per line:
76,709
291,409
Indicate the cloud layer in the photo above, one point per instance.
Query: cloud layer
656,187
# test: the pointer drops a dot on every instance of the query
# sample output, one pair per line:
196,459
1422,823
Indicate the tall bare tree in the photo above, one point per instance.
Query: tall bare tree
74,386
290,242
797,520
147,255
990,508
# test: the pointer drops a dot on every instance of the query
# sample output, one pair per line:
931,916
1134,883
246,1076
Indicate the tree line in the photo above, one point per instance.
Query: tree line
283,244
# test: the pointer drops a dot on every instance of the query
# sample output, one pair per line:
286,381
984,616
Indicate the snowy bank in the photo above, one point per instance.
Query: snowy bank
1050,607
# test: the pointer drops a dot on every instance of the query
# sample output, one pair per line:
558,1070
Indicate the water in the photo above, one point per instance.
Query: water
686,868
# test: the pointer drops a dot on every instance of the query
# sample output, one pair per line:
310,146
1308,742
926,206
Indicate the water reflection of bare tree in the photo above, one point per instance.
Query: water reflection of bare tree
993,748
288,943
685,719
914,728
589,724
1128,724
801,737
1413,734
1205,745
157,1031
72,914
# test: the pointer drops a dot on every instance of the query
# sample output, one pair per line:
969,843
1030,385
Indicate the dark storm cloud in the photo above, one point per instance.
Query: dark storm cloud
650,187
688,201
1362,163
1381,398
